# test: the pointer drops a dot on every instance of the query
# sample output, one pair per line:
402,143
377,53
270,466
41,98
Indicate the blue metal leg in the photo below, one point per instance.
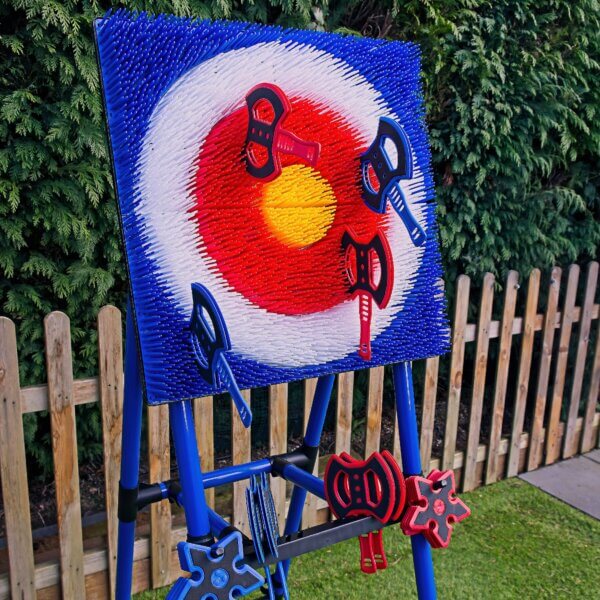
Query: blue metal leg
130,461
411,463
190,474
312,438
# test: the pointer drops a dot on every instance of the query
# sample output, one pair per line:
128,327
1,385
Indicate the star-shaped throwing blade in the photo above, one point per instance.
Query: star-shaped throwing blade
216,572
433,507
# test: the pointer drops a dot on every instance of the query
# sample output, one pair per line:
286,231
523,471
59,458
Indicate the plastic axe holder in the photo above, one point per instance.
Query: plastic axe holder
268,108
374,488
370,272
383,165
210,341
356,488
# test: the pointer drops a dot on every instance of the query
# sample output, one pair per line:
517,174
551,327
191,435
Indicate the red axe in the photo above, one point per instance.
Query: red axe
266,139
359,261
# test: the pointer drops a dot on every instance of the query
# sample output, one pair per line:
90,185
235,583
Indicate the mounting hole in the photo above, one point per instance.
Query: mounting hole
263,111
370,179
207,324
257,154
375,271
350,264
390,151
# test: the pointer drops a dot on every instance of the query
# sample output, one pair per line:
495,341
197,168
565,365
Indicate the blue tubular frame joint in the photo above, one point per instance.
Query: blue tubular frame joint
306,481
155,492
236,473
165,490
411,462
218,525
128,504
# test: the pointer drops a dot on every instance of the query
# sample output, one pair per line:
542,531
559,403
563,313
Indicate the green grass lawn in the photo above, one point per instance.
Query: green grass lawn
518,543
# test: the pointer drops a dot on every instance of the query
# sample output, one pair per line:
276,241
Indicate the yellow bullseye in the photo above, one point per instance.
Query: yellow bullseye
299,206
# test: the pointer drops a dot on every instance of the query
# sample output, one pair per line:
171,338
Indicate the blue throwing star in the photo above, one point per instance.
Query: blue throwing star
217,572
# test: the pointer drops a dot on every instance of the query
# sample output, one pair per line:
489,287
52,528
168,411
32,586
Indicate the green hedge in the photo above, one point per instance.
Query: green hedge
512,89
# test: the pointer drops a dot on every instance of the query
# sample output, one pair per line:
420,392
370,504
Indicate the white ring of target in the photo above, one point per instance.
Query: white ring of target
163,198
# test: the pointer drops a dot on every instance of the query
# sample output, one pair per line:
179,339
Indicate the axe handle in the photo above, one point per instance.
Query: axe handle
378,549
368,563
226,376
398,201
365,310
288,143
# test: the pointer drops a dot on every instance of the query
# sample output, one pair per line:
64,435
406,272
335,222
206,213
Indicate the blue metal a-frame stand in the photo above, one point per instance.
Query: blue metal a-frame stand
204,525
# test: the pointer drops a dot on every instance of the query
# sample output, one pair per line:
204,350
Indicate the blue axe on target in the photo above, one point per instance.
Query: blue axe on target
210,341
381,176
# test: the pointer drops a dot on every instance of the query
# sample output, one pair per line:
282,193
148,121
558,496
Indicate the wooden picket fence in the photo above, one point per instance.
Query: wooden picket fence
559,429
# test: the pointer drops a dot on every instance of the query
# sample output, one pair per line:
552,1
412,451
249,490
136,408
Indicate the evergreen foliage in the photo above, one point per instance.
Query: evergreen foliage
513,95
513,91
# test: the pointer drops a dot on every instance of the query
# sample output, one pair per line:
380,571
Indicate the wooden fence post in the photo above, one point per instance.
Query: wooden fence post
110,375
536,438
552,433
240,453
461,310
528,336
481,360
13,469
585,324
374,411
159,463
278,417
432,366
506,333
59,369
396,448
343,428
587,440
205,438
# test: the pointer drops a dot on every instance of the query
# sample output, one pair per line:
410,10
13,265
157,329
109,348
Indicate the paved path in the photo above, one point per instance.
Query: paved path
575,481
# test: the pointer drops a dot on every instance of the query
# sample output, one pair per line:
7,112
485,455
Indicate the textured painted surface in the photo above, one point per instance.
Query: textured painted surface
268,249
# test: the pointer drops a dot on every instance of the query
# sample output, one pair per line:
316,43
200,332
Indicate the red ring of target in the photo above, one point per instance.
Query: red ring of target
270,274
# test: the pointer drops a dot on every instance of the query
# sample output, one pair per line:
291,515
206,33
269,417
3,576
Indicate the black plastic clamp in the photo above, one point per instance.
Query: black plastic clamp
303,457
132,500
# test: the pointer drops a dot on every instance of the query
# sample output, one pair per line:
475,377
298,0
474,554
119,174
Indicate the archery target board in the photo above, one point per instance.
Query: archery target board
276,201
